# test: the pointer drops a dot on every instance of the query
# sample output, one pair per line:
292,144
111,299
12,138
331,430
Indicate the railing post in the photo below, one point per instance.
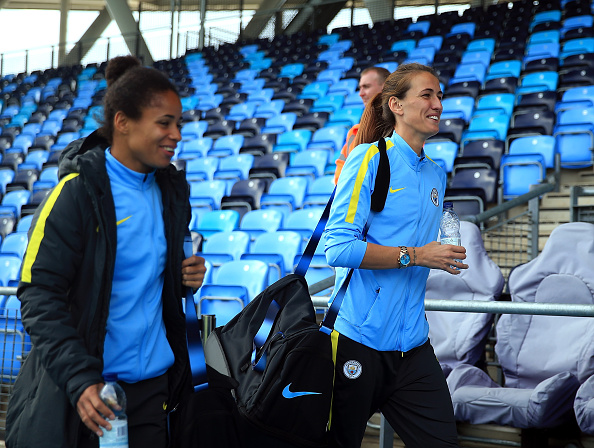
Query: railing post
533,208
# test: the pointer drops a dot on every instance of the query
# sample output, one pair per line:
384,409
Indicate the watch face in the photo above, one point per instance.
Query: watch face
404,259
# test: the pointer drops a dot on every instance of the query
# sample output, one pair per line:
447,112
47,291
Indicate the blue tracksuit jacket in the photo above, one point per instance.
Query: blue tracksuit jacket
384,309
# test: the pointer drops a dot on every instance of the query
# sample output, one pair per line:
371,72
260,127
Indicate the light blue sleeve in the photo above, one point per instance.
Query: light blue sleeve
344,231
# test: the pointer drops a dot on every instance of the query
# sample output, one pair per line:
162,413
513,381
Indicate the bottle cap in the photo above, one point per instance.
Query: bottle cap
448,204
110,378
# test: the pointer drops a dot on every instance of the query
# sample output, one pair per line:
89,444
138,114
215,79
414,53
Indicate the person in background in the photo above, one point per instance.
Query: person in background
371,83
104,274
384,358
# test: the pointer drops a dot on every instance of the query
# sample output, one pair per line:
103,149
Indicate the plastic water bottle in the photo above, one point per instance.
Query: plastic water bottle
113,396
449,226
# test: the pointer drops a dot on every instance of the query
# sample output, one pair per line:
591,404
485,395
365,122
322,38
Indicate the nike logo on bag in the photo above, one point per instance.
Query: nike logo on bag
288,394
397,189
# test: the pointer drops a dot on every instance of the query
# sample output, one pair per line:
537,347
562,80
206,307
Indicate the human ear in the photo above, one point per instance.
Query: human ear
120,122
395,105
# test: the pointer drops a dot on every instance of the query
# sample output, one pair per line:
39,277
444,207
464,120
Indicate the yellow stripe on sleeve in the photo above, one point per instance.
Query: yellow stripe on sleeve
39,229
371,151
354,202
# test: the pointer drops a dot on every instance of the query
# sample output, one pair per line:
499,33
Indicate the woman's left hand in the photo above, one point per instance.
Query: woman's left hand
193,271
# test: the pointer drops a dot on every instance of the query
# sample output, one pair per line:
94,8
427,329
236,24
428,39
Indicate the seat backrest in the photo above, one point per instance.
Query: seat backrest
283,242
10,268
562,273
233,243
218,221
459,337
538,144
259,221
15,244
253,274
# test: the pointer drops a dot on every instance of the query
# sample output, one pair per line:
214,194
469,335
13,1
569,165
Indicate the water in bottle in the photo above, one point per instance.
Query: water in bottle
113,396
449,226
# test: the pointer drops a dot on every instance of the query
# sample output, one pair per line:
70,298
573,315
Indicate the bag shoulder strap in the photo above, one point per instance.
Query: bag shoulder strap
194,340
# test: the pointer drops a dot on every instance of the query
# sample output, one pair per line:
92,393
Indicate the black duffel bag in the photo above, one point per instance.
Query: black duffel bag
280,358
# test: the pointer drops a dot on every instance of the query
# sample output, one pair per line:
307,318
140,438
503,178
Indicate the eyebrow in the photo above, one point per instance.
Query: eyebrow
431,90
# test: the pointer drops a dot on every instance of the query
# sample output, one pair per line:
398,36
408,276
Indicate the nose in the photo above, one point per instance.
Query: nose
176,133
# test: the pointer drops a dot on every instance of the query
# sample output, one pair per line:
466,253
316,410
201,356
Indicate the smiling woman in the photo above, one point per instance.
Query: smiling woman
383,347
104,276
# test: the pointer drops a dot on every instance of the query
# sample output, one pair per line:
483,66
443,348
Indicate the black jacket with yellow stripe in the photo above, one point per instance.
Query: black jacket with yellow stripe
65,289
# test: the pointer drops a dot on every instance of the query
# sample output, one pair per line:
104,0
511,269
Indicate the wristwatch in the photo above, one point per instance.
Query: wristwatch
404,259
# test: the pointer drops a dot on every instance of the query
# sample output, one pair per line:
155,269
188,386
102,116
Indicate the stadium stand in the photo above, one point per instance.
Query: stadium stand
517,80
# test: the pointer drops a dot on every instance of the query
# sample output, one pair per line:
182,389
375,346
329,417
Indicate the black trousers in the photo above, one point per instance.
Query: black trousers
147,418
408,388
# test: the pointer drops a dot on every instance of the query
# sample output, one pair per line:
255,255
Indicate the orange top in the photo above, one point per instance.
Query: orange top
346,150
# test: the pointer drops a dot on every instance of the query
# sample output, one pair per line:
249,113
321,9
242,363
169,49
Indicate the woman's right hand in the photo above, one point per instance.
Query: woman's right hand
441,256
91,410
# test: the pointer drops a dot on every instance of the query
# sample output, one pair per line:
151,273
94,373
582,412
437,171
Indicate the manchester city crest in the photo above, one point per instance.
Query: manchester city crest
352,369
435,197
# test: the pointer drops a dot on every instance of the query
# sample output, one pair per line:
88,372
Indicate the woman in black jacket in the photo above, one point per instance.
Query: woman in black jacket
104,273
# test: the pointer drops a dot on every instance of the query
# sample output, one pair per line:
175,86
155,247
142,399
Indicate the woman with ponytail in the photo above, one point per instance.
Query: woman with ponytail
384,358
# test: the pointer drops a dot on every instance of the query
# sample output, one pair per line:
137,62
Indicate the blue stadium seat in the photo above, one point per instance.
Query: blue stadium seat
538,82
444,151
329,76
279,123
539,144
221,247
201,168
343,87
319,191
14,244
16,343
311,162
217,221
458,107
207,193
234,285
476,57
241,111
293,141
269,109
346,116
226,145
495,103
194,148
518,172
256,222
486,126
260,97
471,71
193,130
314,90
13,201
509,68
234,167
577,46
329,138
24,223
10,268
328,103
303,221
278,249
574,134
285,194
291,70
